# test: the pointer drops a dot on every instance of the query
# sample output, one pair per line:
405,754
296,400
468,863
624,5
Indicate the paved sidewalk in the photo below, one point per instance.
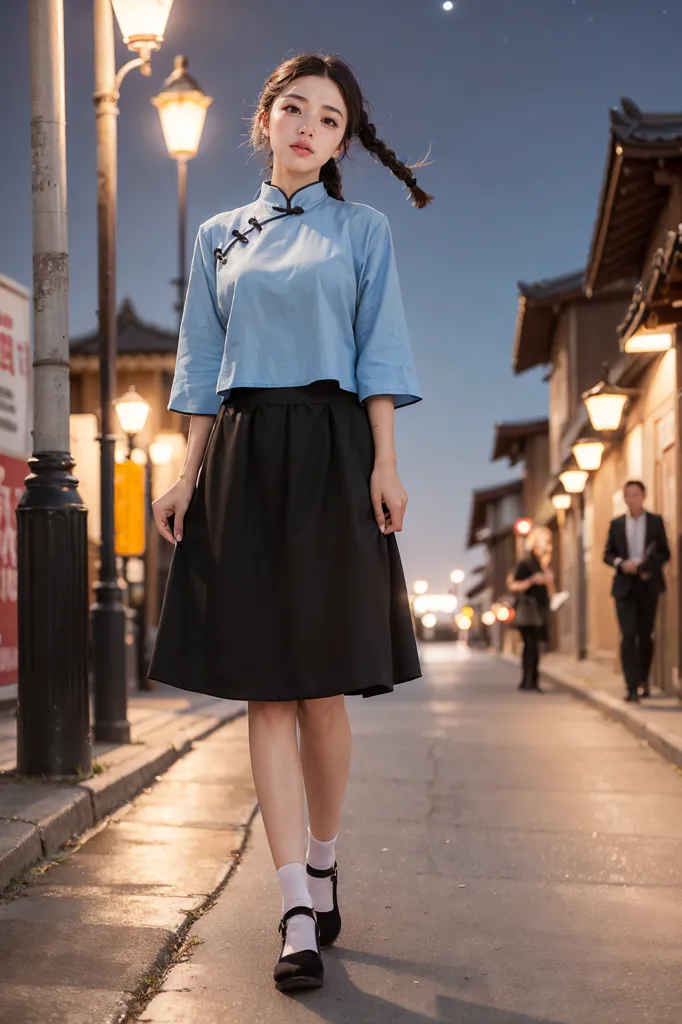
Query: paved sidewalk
504,858
37,818
657,720
86,937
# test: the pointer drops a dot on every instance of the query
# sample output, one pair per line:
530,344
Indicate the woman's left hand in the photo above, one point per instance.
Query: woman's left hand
386,489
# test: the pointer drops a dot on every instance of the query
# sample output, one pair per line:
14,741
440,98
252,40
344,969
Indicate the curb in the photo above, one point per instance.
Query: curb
71,810
664,742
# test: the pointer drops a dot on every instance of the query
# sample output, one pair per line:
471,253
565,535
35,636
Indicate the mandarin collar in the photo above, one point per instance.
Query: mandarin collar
306,197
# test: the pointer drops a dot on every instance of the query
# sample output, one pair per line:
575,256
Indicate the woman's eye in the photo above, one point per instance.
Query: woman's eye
331,122
292,106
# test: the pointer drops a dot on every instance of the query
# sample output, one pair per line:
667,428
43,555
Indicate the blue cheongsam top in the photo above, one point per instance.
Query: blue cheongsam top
291,290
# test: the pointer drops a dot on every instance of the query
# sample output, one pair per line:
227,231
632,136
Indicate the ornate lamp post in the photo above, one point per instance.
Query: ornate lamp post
182,106
142,23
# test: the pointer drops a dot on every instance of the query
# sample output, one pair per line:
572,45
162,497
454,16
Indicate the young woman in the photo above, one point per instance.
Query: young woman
286,587
533,584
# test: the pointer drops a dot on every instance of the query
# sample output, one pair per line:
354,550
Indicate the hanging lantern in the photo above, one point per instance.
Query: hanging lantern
182,106
605,403
573,478
142,23
588,453
561,501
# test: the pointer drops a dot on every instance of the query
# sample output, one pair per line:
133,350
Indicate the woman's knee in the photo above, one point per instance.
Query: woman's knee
272,713
320,711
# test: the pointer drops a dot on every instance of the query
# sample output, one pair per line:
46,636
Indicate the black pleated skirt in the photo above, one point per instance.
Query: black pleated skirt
283,587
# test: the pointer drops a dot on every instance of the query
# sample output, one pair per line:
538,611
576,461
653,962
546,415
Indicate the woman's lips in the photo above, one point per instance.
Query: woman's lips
302,150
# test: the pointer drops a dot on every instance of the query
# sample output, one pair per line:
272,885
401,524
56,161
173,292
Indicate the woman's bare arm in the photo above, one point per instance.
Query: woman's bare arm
176,499
385,487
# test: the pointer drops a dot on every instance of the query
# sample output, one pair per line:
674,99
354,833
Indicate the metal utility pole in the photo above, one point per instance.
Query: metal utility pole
111,723
53,722
182,238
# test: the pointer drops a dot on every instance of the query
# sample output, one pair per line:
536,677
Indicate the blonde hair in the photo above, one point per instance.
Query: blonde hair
536,532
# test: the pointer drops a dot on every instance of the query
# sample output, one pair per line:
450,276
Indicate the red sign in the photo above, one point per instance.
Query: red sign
13,472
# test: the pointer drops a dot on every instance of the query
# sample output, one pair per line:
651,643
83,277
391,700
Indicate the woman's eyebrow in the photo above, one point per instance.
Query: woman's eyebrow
304,99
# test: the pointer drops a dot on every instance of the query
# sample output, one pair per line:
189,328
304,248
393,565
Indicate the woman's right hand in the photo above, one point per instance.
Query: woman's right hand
174,502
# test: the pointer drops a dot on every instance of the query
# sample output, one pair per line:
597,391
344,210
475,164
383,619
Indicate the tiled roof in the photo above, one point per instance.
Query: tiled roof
509,442
135,336
487,496
539,307
664,272
634,192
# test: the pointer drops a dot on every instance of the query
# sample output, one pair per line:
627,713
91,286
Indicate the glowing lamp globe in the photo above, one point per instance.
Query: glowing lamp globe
160,452
142,23
588,453
561,502
457,576
132,411
182,106
503,613
420,587
488,618
463,623
429,621
574,480
605,403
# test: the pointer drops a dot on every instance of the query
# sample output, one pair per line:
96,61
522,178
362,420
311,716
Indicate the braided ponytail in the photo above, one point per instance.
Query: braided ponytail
330,174
367,134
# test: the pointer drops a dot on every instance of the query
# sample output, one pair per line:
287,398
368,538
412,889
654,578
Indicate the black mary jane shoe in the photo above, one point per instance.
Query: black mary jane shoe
299,971
328,921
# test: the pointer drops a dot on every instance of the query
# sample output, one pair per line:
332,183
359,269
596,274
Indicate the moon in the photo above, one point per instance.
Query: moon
448,5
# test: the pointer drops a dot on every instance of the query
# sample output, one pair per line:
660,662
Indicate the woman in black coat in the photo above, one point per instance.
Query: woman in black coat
533,581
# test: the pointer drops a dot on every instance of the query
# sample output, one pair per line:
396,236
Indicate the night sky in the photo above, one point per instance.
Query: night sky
512,96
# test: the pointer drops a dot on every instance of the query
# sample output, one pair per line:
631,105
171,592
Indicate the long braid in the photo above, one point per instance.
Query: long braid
330,174
367,134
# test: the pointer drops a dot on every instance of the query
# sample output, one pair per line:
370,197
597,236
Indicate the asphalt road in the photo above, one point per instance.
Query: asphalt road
506,858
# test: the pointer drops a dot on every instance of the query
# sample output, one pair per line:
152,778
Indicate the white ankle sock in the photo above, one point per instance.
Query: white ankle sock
293,882
321,855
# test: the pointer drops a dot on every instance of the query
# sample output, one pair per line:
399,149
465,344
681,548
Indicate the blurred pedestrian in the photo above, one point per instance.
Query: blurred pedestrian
637,548
286,587
533,584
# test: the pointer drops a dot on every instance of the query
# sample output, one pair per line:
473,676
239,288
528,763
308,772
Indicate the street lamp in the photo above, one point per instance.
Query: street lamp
561,501
573,478
605,403
132,411
457,576
142,24
420,587
588,453
182,106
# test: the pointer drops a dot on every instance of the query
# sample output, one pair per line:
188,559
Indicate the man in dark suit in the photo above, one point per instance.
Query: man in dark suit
637,548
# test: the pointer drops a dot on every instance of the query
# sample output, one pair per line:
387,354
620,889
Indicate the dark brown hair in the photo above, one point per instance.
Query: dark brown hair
635,483
359,125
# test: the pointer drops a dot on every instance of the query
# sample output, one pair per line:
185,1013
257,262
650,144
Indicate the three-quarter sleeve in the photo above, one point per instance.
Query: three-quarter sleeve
202,338
384,365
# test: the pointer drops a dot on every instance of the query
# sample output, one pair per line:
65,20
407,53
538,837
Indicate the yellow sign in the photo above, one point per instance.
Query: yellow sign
129,508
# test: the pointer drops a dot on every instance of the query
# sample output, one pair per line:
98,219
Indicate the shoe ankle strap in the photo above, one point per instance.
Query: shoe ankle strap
318,873
303,911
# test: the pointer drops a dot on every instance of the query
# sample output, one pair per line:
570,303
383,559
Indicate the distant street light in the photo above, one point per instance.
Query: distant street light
420,587
561,501
160,452
488,618
573,478
142,24
182,106
457,576
523,526
132,411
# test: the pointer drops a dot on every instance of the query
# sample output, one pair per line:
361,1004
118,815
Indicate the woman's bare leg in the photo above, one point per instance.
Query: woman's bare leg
276,770
325,759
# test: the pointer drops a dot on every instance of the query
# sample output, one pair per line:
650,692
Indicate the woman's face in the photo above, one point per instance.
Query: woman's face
542,545
307,124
